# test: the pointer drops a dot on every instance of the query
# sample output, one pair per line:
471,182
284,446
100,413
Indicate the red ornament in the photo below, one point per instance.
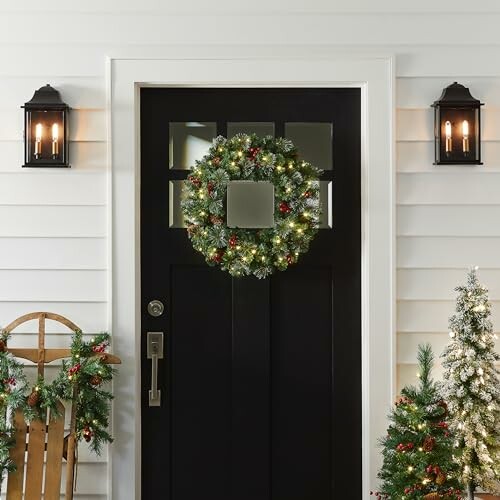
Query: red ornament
442,425
233,240
284,208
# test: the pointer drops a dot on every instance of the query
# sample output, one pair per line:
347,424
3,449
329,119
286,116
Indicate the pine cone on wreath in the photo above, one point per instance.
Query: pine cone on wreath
432,496
33,398
441,478
96,380
3,346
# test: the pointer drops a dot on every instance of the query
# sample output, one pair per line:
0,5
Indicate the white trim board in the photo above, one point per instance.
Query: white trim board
375,76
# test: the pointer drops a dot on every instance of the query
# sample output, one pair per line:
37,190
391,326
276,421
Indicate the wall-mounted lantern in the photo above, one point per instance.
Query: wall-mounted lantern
46,136
457,127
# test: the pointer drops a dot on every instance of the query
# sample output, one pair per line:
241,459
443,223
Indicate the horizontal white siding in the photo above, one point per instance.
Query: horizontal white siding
447,218
257,7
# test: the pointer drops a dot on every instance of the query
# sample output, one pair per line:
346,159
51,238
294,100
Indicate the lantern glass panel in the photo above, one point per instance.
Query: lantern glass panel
458,135
45,136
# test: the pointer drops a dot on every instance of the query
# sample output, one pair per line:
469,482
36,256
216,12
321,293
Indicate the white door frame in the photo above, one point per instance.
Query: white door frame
375,76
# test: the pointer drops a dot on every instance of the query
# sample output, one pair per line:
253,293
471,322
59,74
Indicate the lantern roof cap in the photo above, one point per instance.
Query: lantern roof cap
456,94
46,97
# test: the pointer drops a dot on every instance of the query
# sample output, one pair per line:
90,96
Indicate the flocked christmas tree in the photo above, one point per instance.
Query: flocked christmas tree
418,447
472,389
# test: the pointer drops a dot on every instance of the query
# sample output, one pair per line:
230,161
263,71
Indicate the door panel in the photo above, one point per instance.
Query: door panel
261,379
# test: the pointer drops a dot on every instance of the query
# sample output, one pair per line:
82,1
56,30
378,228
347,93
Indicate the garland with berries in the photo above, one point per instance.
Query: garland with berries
84,374
257,252
13,385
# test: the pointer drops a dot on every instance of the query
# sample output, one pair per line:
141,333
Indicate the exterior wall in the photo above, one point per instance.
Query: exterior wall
54,225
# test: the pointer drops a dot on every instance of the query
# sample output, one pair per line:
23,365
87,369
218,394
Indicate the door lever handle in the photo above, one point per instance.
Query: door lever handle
154,352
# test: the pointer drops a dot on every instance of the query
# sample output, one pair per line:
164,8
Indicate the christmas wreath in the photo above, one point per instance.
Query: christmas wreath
241,251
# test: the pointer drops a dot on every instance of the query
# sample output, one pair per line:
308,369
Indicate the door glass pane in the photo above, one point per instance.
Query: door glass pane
250,204
176,195
259,128
314,142
326,196
188,142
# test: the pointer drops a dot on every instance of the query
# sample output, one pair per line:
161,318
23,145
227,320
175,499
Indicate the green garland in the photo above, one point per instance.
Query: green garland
259,252
86,372
13,385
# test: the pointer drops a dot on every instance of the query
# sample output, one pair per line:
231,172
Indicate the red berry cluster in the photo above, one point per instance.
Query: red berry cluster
233,240
284,208
9,381
74,369
378,494
194,180
217,257
433,469
100,347
253,152
405,447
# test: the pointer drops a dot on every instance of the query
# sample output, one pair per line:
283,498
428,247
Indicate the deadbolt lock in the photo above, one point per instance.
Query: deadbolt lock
156,308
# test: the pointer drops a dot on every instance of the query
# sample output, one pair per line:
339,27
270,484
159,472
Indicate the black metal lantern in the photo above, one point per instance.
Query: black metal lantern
46,139
457,127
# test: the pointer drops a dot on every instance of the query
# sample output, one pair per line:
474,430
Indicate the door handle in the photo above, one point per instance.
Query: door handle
154,353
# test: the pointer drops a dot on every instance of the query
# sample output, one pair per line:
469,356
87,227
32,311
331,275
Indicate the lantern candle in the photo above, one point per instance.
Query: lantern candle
55,140
38,140
447,133
465,133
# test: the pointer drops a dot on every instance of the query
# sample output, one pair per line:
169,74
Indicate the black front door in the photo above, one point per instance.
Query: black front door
261,379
